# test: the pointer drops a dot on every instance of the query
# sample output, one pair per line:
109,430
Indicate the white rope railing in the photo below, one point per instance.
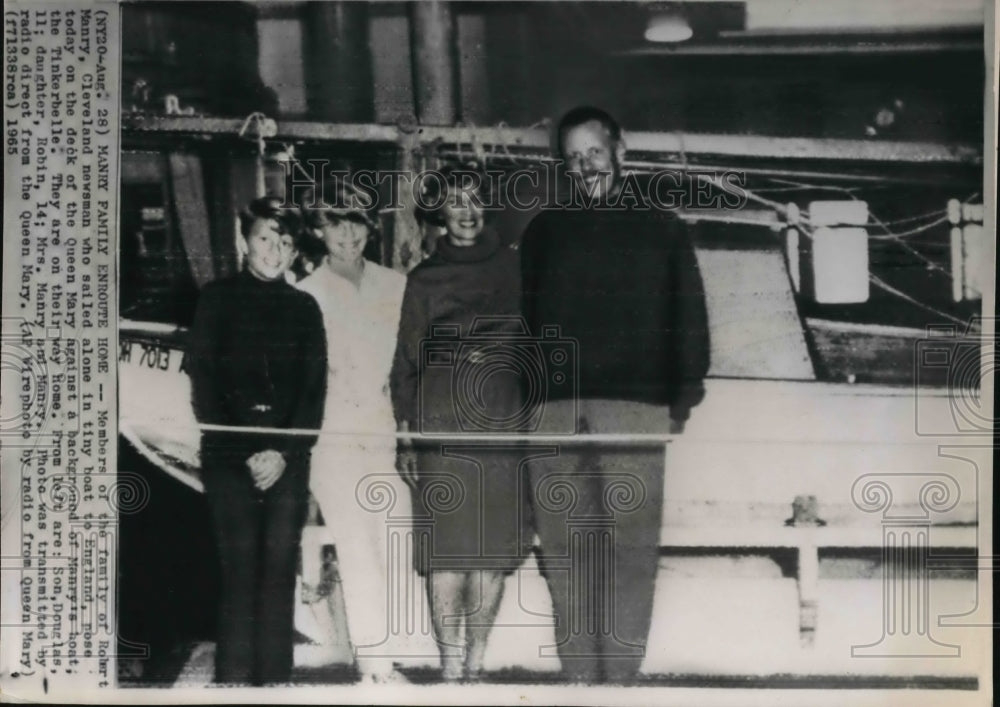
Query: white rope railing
458,436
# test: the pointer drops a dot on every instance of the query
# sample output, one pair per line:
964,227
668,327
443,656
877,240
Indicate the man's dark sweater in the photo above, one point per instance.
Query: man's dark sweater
256,356
625,284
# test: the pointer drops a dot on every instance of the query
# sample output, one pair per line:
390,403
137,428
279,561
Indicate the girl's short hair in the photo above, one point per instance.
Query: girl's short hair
337,201
436,185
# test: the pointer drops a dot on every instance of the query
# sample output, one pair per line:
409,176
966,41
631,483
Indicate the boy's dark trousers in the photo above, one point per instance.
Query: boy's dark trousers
257,535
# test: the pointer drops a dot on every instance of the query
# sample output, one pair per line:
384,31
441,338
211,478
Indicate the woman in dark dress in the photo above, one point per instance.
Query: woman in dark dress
450,376
257,358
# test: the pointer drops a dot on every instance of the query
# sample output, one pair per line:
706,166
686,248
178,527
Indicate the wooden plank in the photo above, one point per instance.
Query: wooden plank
744,536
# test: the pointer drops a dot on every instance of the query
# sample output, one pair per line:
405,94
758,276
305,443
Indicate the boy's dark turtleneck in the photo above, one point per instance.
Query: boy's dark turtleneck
256,356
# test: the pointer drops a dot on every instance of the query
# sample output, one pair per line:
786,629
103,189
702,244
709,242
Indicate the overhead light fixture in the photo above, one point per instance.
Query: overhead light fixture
668,27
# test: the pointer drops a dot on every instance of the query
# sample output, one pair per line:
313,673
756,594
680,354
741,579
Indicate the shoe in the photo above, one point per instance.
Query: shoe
473,677
392,677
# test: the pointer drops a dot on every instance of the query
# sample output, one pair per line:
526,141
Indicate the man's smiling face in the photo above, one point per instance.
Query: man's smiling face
593,158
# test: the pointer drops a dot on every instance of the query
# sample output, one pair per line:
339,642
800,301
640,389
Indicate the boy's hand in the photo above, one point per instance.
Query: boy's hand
266,468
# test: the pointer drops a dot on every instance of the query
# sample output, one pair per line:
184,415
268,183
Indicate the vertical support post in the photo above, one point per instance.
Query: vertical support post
973,251
338,64
188,185
805,515
957,251
435,69
793,252
406,233
808,592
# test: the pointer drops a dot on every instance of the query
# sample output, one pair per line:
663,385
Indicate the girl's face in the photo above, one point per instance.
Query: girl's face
345,241
269,251
463,217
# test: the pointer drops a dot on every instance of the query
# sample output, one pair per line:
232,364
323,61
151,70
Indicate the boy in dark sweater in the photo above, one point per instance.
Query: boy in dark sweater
257,358
624,283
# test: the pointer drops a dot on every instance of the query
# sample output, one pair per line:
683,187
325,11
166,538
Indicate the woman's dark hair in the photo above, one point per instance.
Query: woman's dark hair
271,207
436,185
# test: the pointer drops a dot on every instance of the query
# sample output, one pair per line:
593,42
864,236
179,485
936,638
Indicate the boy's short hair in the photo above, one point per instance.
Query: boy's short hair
434,194
271,207
585,114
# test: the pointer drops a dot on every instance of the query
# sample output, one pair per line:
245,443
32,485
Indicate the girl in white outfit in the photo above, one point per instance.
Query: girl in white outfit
353,478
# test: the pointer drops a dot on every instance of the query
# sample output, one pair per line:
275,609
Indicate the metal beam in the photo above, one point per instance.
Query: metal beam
690,144
838,48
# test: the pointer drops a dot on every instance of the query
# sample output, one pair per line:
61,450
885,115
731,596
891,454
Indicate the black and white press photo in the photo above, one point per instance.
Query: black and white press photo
559,352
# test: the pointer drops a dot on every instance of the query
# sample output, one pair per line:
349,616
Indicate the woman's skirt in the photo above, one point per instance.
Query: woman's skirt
470,508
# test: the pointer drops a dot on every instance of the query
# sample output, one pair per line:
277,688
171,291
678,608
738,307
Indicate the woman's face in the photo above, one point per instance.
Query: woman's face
463,217
269,251
345,241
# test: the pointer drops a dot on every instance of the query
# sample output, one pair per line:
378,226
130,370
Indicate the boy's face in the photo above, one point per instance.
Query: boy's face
269,251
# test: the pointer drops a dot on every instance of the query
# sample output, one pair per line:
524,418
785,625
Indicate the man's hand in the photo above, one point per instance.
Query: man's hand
676,426
406,457
266,468
406,463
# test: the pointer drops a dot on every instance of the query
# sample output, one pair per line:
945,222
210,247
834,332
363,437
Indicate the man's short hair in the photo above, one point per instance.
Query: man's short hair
268,207
585,114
